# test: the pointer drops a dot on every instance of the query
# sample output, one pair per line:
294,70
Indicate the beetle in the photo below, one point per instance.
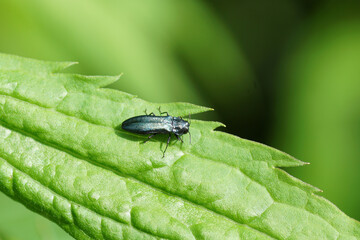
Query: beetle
153,125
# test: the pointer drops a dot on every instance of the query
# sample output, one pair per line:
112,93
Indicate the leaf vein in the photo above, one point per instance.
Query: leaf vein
70,201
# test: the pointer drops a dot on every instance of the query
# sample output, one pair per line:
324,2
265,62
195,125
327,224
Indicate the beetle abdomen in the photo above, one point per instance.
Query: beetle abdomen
147,124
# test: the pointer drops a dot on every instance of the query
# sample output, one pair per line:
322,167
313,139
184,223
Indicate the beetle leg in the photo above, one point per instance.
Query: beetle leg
151,114
179,138
167,144
149,137
167,114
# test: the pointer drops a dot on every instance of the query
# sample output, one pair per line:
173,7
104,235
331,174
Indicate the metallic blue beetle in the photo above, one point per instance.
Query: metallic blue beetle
151,124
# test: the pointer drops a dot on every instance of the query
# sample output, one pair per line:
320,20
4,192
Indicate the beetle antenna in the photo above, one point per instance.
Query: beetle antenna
189,119
190,137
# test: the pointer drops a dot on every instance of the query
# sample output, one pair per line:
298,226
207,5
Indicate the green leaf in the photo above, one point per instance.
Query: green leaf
63,155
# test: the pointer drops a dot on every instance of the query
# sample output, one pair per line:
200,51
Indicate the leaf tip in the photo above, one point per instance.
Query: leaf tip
220,124
56,67
107,80
194,109
69,64
183,108
300,163
98,81
209,125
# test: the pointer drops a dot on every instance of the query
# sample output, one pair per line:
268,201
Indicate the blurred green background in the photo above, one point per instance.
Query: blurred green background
284,73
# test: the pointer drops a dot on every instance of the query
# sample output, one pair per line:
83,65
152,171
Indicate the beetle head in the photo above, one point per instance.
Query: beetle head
180,126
